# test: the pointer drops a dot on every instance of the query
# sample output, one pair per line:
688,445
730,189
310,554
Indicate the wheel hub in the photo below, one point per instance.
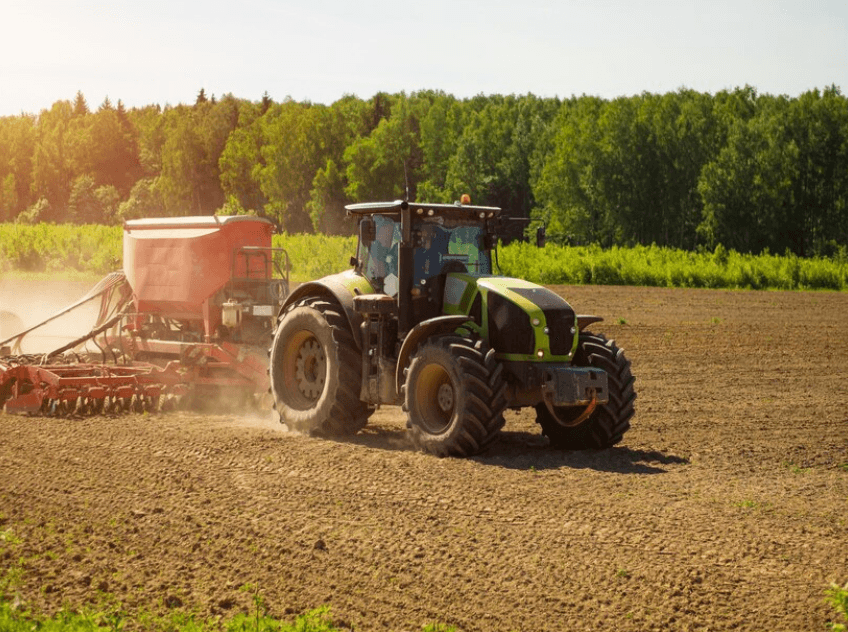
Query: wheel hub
445,397
311,369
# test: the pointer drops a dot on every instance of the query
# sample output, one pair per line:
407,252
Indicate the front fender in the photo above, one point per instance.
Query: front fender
425,329
584,320
340,287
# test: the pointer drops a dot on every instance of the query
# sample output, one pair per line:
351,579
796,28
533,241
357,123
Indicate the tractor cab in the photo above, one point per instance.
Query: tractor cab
412,247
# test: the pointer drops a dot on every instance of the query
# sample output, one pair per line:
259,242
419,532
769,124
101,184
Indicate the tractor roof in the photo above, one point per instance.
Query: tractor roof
421,208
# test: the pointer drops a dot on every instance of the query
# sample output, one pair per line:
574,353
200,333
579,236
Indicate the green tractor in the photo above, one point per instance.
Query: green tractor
422,321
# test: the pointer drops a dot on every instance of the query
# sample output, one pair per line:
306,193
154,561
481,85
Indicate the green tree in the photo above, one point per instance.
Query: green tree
150,130
343,123
83,205
8,198
441,129
194,140
327,201
383,164
265,103
52,175
818,124
291,154
80,106
567,192
92,204
628,170
241,160
37,213
181,181
685,130
145,200
747,189
108,200
17,146
104,146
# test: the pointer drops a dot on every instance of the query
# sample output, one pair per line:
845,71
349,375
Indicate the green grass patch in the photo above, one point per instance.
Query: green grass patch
318,620
12,620
750,505
8,537
747,504
837,596
795,468
109,615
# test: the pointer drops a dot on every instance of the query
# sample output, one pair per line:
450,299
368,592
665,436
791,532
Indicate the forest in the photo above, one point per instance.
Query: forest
688,170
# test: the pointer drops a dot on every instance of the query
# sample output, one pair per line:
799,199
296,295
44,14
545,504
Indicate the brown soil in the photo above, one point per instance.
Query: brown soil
724,508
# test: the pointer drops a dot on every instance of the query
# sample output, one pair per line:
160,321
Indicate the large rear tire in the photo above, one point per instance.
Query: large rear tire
607,424
454,396
316,371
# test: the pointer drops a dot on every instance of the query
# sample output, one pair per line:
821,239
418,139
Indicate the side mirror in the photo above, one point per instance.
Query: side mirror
367,230
540,236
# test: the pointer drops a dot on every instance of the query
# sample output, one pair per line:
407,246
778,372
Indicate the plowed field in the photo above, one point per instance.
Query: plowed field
724,508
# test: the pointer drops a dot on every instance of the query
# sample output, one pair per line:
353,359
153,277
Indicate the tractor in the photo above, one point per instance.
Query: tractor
421,320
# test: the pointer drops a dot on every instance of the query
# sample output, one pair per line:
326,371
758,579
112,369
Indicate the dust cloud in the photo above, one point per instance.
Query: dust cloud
10,324
262,419
28,303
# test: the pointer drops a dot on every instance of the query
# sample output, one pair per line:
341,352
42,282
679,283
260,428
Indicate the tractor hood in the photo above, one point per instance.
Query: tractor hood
521,320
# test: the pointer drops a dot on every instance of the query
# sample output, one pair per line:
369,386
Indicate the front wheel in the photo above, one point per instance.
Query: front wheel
607,424
454,396
316,371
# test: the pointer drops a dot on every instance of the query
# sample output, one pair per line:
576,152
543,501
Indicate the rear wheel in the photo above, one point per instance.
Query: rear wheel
454,396
316,371
607,423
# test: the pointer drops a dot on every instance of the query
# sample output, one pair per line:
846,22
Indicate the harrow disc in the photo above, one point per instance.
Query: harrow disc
62,390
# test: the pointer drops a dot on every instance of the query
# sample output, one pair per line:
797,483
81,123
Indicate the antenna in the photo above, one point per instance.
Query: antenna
406,183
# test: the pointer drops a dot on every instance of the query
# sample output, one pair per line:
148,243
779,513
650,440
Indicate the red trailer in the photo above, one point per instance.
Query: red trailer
191,314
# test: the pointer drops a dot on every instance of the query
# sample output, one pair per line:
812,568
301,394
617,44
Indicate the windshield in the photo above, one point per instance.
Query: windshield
380,257
443,245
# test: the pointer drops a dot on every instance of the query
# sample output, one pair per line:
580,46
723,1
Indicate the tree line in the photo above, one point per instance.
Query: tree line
684,169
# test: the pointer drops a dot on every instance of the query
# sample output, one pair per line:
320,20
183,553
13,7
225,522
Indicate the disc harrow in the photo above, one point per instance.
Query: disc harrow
84,389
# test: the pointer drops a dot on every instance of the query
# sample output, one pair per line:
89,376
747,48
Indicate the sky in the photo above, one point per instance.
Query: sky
164,51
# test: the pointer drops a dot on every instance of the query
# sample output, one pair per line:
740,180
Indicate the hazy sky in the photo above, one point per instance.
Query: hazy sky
164,51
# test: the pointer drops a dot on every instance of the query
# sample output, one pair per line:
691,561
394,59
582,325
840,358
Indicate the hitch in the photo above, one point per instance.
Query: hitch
575,386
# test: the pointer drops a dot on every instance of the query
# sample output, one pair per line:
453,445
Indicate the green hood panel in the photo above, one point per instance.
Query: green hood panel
545,317
460,291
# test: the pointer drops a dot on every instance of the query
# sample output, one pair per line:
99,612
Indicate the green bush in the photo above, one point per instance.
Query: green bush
98,249
315,256
657,266
60,247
